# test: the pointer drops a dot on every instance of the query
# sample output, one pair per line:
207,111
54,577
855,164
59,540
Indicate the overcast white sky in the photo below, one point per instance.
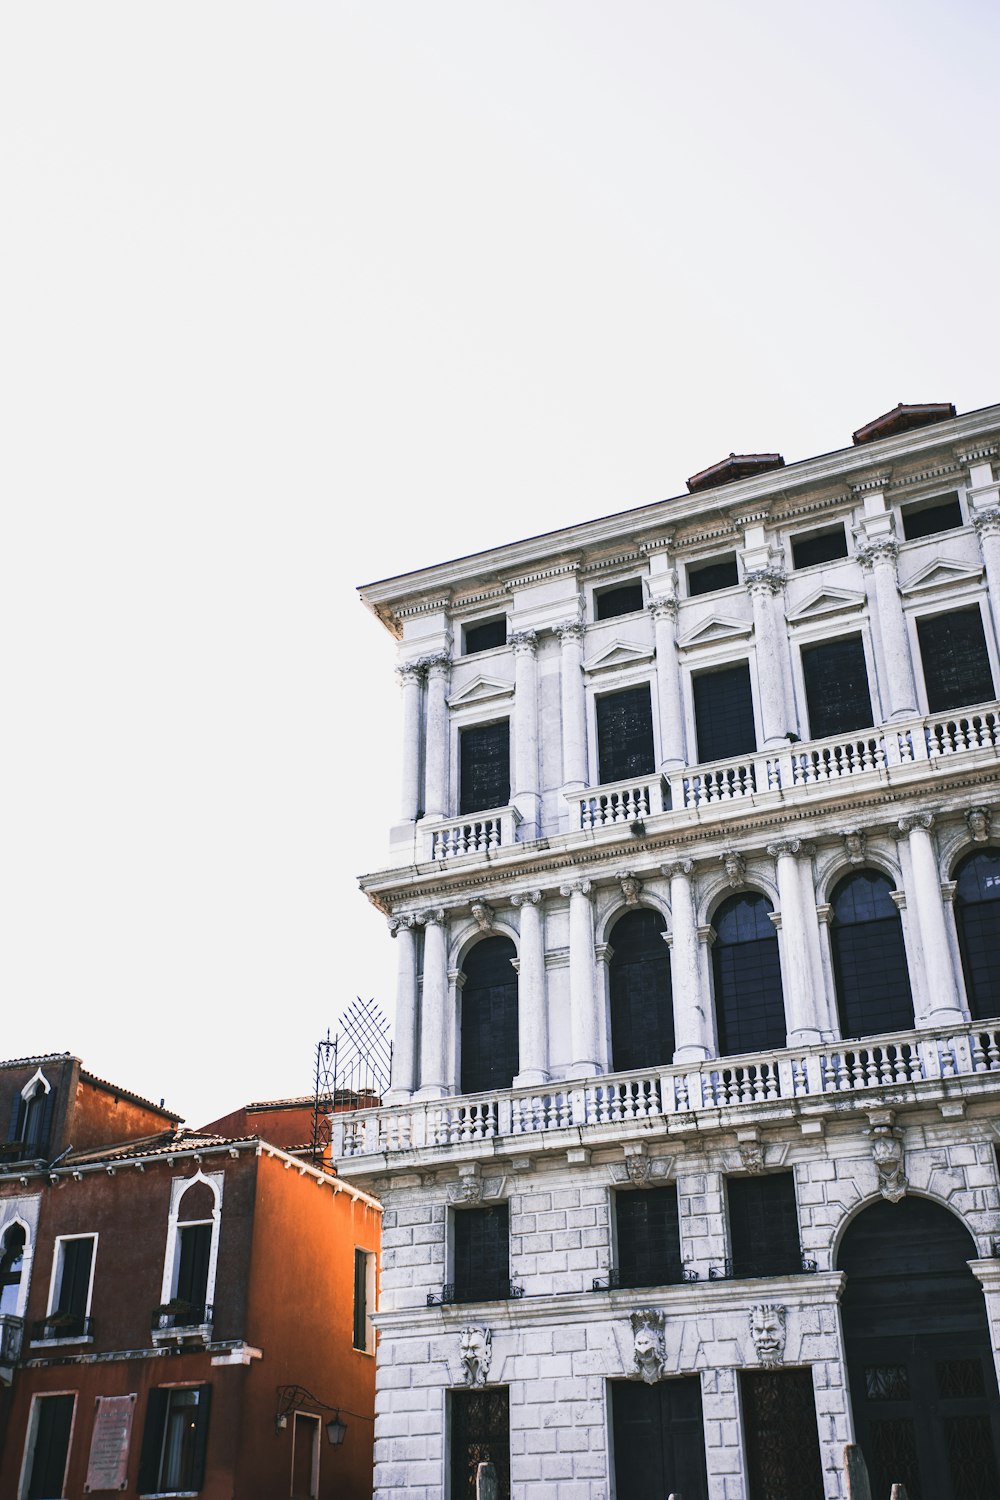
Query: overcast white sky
300,295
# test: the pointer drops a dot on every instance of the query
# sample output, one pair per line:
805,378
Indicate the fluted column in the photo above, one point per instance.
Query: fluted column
524,795
763,586
673,741
411,676
694,1037
532,1023
435,1074
878,557
436,802
574,705
582,1001
798,980
987,523
942,989
404,1051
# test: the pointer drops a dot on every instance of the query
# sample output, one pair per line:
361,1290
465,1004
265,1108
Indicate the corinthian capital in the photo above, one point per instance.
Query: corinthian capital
764,581
410,671
524,642
664,607
987,521
434,917
570,630
438,665
878,551
915,820
401,924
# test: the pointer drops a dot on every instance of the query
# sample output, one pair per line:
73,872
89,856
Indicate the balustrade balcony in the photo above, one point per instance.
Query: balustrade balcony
674,1096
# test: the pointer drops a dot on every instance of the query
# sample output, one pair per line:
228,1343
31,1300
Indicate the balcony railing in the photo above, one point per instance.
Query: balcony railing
177,1320
649,1273
749,1267
827,1070
480,1289
476,833
72,1327
11,1334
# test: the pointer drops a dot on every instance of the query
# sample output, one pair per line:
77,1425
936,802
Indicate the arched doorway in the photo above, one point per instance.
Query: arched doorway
919,1360
642,1011
977,910
489,1017
749,1005
869,957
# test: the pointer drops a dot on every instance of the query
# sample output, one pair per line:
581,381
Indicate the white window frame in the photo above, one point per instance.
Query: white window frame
926,502
55,1276
821,528
18,1219
307,1417
699,663
171,1259
820,633
605,686
922,609
371,1293
31,1432
705,559
606,585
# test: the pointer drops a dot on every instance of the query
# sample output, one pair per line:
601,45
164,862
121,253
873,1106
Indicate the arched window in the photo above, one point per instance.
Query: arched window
869,958
977,910
11,1268
489,1017
31,1121
642,1012
749,1005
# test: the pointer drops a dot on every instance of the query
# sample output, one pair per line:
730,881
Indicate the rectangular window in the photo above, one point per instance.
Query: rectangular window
812,547
305,1456
174,1440
659,1438
482,1254
764,1225
48,1447
942,514
648,1233
836,680
484,766
623,599
485,635
955,660
69,1290
480,1434
723,712
708,577
193,1252
625,735
364,1297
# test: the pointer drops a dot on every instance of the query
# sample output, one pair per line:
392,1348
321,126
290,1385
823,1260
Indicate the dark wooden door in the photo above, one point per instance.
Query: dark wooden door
659,1439
480,1433
489,1017
779,1430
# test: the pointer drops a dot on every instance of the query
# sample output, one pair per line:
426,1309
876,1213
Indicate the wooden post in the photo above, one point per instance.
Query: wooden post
858,1486
486,1482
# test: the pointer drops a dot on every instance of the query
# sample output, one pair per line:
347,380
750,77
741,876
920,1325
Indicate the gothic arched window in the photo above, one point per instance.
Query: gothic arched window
869,957
489,1017
642,1012
11,1268
749,1004
977,912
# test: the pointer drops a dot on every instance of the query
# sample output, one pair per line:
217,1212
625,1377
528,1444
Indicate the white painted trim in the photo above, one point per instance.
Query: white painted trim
31,1431
171,1260
29,1088
27,1257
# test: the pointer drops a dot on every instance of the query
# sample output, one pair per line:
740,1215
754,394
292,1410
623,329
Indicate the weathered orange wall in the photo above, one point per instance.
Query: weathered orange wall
99,1116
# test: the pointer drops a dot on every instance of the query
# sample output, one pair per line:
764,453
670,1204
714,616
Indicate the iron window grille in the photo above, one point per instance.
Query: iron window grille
63,1325
178,1314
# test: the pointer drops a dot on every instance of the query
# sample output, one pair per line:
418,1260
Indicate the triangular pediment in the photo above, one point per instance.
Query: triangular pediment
942,573
619,654
716,628
826,602
481,690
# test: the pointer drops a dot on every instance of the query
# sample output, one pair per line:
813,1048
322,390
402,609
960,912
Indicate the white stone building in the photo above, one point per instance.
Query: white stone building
690,1160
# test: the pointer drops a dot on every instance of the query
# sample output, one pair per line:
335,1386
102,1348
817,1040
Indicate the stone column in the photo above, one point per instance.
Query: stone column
574,706
524,793
763,586
411,676
942,990
798,982
532,1022
878,557
673,741
582,1000
404,1052
987,523
693,1030
436,800
435,1073
987,1273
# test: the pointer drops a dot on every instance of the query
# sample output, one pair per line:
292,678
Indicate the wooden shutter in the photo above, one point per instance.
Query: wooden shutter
16,1118
625,735
52,1429
659,1439
649,1241
192,1271
200,1447
482,1253
723,711
642,1012
489,1019
956,663
360,1299
152,1441
74,1282
484,770
764,1225
837,692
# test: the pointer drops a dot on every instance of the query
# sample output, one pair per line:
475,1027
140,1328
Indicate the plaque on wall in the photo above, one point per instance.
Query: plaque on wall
107,1468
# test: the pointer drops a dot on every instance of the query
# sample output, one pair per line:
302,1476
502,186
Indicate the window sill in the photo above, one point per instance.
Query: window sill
168,1494
79,1338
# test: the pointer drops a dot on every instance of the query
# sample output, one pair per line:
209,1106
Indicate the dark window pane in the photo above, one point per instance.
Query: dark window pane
977,908
972,1455
192,1273
926,520
818,547
642,1011
706,578
836,679
360,1299
485,636
779,1421
955,659
480,1433
649,1242
723,711
484,771
625,600
482,1254
869,957
749,1004
489,1017
659,1439
764,1225
74,1283
53,1420
625,735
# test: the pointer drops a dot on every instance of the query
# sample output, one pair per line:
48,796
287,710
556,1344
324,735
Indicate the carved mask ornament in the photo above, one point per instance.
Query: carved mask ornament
887,1154
476,1353
650,1344
767,1330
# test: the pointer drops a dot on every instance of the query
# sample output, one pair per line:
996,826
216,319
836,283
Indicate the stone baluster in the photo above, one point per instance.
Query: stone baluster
765,586
878,555
532,1021
411,676
805,1024
582,1001
435,1074
673,740
694,1037
941,987
574,706
436,803
524,794
404,1052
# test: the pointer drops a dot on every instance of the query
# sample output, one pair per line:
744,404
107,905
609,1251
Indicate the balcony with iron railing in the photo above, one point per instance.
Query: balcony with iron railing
178,1322
680,1098
64,1328
484,1288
